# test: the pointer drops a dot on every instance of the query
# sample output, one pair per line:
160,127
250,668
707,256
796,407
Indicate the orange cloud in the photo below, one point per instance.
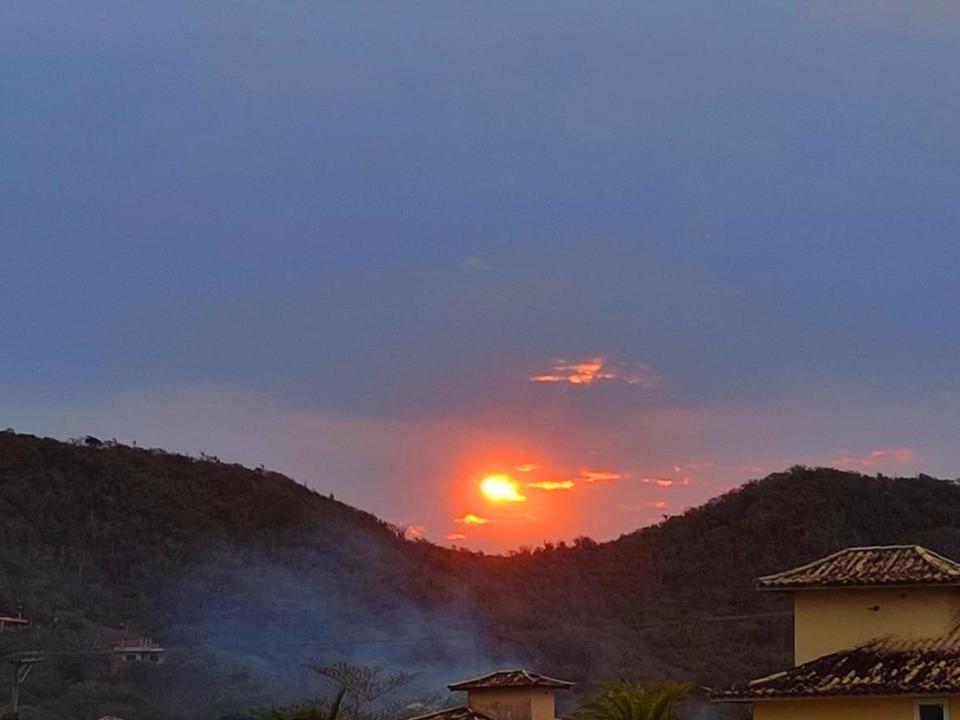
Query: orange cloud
471,519
692,467
875,459
415,531
456,536
528,467
552,485
592,476
664,482
591,370
658,504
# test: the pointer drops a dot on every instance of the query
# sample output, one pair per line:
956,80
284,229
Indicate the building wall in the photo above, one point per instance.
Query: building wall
515,703
843,709
826,621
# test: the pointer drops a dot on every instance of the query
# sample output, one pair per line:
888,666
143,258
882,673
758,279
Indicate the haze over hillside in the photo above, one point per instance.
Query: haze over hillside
244,575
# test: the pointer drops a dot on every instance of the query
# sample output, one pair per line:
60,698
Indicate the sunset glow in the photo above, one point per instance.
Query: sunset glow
591,370
577,373
471,519
501,488
552,485
592,476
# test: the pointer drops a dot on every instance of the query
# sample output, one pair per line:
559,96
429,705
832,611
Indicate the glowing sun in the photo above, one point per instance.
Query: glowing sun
501,488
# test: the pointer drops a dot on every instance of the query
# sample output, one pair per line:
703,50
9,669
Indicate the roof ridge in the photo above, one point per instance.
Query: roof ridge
488,674
843,551
862,670
463,706
868,565
521,677
810,564
935,558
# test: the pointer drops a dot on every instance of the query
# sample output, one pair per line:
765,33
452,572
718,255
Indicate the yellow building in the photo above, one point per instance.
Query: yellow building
504,695
876,637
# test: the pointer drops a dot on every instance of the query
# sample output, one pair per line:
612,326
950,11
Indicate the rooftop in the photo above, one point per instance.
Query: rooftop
509,679
869,567
461,712
139,644
879,667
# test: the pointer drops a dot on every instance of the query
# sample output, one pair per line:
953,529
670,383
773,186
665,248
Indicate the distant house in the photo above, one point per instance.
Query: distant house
136,650
504,695
876,635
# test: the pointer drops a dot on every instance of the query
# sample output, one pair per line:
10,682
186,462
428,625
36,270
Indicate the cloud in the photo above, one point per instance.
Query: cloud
415,531
692,467
658,504
471,519
456,536
663,482
596,369
876,459
475,264
552,485
527,467
592,476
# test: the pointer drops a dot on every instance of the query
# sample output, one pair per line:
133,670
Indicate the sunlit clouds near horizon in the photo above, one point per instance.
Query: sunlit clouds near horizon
598,369
497,273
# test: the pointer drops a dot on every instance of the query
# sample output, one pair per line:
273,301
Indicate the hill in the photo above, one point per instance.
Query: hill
245,575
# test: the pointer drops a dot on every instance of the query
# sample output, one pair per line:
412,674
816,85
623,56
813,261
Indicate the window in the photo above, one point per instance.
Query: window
931,710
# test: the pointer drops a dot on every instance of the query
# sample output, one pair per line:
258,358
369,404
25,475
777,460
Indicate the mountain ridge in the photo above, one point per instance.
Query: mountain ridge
247,575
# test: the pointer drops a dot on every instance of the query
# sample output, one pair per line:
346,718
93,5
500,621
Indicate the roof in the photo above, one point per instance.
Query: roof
880,667
138,644
509,679
869,567
460,712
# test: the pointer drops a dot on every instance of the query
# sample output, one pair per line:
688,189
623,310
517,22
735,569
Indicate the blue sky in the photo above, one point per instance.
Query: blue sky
340,239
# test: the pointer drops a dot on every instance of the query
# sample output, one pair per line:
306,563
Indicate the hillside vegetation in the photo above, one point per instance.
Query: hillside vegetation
246,576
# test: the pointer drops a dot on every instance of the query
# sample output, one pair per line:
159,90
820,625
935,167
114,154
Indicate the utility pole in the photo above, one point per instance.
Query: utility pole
22,665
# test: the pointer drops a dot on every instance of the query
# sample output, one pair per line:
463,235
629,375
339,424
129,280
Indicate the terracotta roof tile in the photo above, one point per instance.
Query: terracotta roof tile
869,566
461,712
509,679
880,667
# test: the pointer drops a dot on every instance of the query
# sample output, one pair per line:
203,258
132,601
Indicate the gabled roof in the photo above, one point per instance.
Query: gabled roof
509,679
869,567
139,644
879,667
460,712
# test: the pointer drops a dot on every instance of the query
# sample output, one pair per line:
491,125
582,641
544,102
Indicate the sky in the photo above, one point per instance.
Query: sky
621,256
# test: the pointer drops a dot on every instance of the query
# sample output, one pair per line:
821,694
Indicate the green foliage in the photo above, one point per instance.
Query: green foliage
309,710
362,687
631,701
243,574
